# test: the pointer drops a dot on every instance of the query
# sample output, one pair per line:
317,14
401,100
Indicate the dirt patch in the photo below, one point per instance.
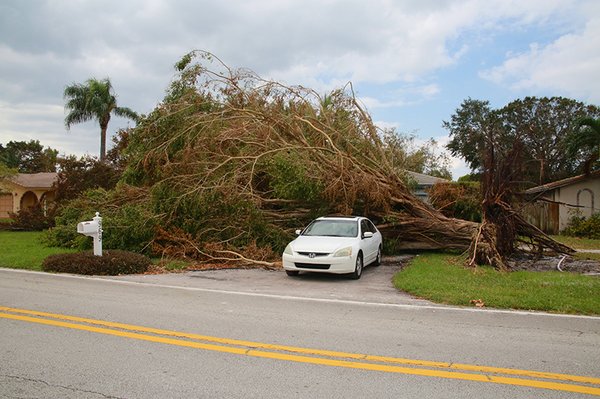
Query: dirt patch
553,263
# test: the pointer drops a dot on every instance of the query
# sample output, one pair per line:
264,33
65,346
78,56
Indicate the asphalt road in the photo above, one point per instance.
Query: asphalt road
48,351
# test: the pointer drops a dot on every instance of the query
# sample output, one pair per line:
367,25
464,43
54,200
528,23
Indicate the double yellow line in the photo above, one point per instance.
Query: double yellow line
467,372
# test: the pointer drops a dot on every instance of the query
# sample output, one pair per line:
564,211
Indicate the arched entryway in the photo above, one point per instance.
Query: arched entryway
28,200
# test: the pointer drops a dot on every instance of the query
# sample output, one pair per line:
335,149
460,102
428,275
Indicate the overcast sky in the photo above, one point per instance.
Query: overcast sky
412,62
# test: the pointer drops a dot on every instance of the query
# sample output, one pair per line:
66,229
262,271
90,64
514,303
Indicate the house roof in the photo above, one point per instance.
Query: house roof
561,183
35,180
425,180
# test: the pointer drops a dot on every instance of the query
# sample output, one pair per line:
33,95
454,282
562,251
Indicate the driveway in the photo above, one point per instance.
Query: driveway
375,285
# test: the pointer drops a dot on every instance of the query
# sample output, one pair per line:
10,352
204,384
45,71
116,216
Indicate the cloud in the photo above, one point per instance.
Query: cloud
398,47
567,66
408,95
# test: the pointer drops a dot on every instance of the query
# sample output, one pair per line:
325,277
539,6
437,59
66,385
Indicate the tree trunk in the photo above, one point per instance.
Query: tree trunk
103,129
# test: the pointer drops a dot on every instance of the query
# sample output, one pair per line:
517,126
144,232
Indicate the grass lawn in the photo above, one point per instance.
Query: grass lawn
23,250
443,278
578,243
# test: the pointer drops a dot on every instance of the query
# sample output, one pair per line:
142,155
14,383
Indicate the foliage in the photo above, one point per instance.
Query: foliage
23,250
542,125
444,279
127,220
94,100
467,128
5,171
28,157
460,200
470,178
33,218
405,154
584,142
582,227
111,263
79,175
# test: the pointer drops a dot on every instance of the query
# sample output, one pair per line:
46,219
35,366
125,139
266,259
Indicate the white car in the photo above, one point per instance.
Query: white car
334,245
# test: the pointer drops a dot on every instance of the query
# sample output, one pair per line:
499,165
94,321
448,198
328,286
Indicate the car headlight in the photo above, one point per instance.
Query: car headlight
343,252
288,250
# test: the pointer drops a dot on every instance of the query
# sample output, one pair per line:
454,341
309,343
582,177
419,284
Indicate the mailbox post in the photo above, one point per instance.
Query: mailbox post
93,228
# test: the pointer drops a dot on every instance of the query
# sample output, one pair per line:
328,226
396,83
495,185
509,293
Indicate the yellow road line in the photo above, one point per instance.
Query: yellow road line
316,352
302,359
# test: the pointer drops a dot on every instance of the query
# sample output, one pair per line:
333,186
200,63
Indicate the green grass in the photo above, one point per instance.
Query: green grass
587,256
578,243
23,250
443,278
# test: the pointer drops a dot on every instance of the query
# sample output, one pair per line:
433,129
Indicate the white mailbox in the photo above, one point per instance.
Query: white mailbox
89,228
93,228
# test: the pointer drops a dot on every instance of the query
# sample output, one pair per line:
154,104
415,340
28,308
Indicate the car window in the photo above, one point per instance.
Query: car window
364,227
332,228
372,227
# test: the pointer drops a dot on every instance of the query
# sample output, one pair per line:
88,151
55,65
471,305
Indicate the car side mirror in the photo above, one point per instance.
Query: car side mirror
367,234
298,232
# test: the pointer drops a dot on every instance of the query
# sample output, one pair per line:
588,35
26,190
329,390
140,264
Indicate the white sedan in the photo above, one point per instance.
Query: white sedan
334,245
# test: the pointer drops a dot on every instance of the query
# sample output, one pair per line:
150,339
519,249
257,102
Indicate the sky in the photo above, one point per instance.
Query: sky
411,62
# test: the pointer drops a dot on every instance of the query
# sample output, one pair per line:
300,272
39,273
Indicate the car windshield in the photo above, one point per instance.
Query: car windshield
332,228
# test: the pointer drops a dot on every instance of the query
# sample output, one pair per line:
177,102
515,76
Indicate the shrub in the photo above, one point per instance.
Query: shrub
581,227
32,219
111,263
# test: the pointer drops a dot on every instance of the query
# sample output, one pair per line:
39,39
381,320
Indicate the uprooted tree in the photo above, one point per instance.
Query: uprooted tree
230,164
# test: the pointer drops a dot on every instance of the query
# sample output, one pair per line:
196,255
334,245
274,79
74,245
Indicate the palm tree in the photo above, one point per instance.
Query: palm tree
586,137
94,100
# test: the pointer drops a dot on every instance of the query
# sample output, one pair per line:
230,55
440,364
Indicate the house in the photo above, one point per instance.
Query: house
557,202
25,190
422,184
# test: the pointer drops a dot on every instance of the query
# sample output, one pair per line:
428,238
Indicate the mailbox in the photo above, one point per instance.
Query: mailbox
88,228
93,228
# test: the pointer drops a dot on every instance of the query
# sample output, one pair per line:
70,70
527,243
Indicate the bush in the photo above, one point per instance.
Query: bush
581,227
111,263
32,219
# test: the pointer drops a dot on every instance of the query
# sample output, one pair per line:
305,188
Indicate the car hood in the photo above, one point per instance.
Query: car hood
321,244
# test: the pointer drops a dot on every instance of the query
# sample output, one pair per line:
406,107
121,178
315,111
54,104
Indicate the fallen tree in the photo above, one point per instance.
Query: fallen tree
232,164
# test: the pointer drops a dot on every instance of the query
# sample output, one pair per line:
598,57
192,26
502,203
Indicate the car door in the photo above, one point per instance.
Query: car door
369,245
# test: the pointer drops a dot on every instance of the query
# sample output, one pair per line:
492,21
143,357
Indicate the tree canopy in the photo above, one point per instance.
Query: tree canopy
94,100
541,124
584,142
28,156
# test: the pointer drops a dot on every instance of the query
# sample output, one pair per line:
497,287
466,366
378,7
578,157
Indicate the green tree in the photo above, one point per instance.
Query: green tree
542,125
585,140
94,100
28,157
468,128
5,171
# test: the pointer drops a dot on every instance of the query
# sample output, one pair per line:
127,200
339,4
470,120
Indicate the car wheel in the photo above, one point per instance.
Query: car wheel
292,273
378,258
358,268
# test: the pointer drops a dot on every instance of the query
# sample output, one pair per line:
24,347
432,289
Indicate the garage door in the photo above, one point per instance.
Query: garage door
6,205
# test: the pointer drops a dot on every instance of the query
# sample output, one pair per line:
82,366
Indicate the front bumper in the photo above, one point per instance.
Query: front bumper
320,264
